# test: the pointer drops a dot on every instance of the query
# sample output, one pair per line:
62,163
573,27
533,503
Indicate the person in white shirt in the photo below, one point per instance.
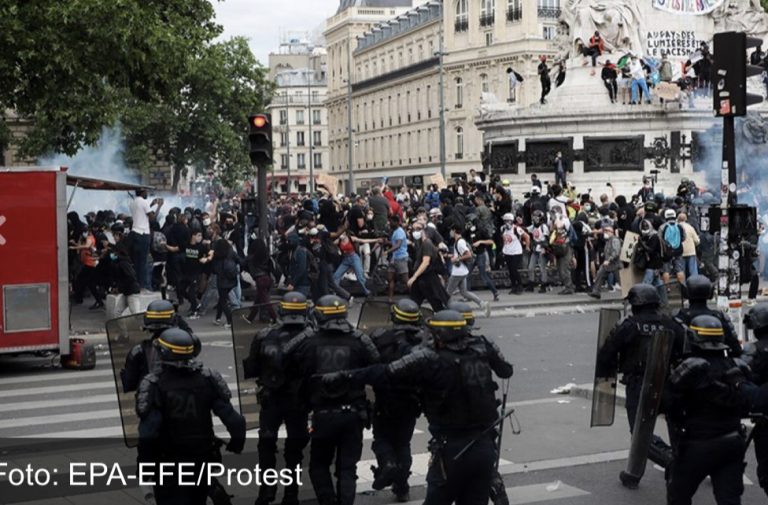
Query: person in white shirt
515,239
462,255
638,80
140,236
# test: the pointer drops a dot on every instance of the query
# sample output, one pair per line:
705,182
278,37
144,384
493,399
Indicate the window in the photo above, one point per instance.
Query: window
283,138
550,32
486,12
315,117
484,83
315,95
514,10
429,101
299,138
300,160
488,38
318,159
283,161
317,139
299,117
549,9
462,16
459,143
459,93
283,116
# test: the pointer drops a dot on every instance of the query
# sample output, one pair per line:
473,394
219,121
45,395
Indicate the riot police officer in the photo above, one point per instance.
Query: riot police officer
705,418
454,372
756,356
160,316
339,413
279,394
174,405
397,406
627,348
699,289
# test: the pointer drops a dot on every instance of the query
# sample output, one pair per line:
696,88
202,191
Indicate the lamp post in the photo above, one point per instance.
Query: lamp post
350,174
287,141
441,55
310,73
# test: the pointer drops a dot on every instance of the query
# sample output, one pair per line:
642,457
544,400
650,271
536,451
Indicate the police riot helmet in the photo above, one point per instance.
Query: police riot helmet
175,344
448,326
757,319
160,315
330,307
406,311
293,308
698,288
465,310
707,333
642,295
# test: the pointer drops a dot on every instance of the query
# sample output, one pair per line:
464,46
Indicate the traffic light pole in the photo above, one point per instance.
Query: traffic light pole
263,196
729,282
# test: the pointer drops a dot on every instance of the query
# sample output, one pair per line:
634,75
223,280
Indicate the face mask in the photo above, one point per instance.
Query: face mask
588,208
113,256
606,236
369,217
417,235
206,222
85,234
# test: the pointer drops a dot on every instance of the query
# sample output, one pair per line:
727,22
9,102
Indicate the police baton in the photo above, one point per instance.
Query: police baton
482,434
501,426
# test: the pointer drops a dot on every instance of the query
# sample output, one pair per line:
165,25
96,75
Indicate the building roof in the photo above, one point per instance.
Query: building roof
344,4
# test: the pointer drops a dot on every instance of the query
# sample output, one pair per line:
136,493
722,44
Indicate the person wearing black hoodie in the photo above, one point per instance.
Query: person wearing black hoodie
259,265
226,268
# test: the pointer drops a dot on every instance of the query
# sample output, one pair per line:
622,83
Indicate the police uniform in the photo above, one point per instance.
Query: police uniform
627,347
142,359
699,289
339,413
454,372
756,356
705,419
397,407
174,406
279,395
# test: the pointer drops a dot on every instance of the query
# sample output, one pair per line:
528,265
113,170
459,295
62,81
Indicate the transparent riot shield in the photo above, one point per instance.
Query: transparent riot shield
604,392
123,334
243,333
374,315
675,298
656,369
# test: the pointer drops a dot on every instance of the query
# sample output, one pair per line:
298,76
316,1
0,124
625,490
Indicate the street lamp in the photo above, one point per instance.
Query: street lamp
350,174
441,54
310,74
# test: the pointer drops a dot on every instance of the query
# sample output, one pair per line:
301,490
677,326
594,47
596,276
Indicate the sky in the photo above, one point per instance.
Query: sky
262,21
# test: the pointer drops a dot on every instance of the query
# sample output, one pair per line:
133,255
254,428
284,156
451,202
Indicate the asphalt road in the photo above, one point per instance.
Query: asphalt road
556,458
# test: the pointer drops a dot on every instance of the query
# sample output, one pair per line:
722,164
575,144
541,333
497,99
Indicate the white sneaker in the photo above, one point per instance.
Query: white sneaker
487,309
227,326
217,322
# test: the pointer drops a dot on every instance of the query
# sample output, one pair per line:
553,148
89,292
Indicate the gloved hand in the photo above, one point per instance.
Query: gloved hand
329,379
738,374
235,445
690,374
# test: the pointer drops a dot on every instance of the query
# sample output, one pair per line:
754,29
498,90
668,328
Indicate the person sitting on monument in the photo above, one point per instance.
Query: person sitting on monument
639,81
595,48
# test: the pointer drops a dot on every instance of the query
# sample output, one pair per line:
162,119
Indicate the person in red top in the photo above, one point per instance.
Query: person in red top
596,48
350,260
394,208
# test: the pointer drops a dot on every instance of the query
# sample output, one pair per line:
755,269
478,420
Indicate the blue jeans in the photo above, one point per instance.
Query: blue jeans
481,262
691,265
351,262
644,86
140,258
235,295
653,278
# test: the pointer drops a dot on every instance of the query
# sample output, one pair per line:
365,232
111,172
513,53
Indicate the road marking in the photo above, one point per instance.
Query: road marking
62,402
54,376
419,467
60,418
520,495
84,387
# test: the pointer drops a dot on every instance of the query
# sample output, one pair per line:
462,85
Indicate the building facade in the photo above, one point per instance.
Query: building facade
299,116
396,72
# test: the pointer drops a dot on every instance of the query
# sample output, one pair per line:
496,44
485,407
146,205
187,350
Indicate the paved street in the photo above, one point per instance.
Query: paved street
556,458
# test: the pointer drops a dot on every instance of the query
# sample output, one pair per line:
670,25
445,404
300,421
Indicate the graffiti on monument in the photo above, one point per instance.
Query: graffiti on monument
540,154
676,43
690,7
501,158
613,153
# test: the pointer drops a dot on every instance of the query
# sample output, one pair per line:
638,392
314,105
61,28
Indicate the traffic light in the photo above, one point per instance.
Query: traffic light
730,73
260,138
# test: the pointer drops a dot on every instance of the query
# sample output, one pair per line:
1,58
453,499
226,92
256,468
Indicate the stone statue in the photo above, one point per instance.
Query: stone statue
741,16
618,21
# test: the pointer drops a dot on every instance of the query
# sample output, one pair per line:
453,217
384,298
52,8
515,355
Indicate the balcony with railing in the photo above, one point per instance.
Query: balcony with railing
461,25
549,12
487,19
297,100
514,14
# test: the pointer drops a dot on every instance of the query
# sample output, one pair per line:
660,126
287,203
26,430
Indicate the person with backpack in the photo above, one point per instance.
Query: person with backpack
672,238
460,259
560,244
539,232
515,239
482,244
611,261
647,257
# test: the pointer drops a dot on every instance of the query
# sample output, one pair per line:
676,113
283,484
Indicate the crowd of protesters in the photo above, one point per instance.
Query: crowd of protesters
428,243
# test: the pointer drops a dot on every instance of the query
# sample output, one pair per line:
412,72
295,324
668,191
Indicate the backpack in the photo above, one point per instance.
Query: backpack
672,239
573,237
558,242
159,242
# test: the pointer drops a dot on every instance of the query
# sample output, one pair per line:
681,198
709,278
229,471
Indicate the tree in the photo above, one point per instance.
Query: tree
73,66
204,123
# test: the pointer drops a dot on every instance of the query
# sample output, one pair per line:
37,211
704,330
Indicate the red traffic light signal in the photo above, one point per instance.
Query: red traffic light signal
259,120
260,139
